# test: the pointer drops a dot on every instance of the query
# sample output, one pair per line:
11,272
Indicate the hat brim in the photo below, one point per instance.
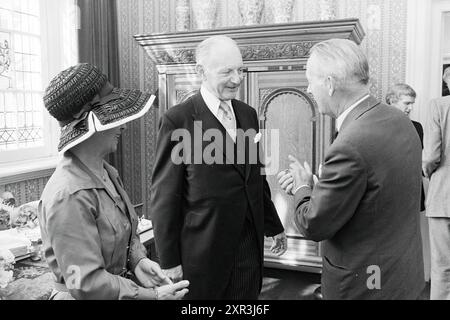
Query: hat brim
131,105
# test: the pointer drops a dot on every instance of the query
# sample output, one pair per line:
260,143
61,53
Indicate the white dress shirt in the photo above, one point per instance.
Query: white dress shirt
341,118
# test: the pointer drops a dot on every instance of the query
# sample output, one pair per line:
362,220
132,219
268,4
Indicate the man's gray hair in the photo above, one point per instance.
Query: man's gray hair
446,75
398,90
343,60
204,49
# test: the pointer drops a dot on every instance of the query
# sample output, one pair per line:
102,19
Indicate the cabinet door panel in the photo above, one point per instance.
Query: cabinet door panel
182,87
284,106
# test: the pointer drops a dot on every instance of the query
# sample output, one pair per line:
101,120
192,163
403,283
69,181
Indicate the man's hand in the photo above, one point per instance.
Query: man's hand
279,244
302,174
286,181
174,291
298,175
175,273
149,274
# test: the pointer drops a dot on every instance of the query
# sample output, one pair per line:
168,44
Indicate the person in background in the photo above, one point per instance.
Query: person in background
210,219
446,80
87,221
436,167
365,204
403,97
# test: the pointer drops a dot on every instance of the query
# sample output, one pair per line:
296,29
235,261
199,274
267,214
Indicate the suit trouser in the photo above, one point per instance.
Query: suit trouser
440,258
245,279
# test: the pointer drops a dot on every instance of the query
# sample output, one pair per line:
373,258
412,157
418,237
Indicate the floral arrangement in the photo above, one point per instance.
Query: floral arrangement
11,216
7,261
26,217
6,212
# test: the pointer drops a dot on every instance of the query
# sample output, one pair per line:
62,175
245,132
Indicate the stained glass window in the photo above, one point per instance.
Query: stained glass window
21,106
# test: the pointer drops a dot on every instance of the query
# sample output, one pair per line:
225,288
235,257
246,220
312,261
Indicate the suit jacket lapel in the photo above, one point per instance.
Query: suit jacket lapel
244,125
359,110
209,121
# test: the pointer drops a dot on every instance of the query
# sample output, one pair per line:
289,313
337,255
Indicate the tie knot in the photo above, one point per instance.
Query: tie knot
226,109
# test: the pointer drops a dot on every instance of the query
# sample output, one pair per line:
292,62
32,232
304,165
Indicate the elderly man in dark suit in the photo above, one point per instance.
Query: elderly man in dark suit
210,215
365,205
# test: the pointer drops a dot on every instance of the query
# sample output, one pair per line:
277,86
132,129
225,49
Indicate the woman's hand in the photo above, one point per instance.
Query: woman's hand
150,275
174,291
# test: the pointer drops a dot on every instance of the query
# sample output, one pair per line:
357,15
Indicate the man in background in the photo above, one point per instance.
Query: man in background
436,167
446,80
403,97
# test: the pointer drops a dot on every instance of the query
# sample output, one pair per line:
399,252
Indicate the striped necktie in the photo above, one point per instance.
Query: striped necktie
226,117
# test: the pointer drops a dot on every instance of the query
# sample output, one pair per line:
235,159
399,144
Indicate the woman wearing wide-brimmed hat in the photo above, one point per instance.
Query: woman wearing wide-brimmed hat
88,223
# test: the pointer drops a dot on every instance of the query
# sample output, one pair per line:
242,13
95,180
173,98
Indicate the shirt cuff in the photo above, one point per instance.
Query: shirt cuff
299,187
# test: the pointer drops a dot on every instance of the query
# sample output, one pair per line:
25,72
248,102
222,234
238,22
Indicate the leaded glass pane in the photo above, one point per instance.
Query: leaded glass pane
20,102
20,119
21,108
37,119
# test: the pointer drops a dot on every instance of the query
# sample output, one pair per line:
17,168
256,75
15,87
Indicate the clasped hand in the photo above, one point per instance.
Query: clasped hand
296,176
150,275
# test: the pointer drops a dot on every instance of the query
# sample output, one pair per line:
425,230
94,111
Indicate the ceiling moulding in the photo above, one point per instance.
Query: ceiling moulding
261,42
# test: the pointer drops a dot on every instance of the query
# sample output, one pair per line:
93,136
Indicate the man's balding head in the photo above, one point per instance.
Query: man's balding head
219,63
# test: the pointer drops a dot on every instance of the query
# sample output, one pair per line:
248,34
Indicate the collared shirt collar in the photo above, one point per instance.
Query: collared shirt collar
341,118
212,102
80,179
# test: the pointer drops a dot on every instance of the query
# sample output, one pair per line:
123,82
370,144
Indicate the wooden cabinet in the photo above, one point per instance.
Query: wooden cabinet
275,85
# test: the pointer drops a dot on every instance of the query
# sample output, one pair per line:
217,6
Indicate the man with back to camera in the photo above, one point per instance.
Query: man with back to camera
365,205
210,220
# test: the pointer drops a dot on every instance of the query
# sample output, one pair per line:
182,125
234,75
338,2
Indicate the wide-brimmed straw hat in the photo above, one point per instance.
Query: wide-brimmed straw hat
84,102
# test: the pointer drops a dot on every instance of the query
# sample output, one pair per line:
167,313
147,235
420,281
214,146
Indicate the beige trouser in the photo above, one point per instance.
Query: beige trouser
440,258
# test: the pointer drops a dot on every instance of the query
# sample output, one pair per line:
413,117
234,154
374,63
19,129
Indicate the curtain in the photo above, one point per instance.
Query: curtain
98,36
98,45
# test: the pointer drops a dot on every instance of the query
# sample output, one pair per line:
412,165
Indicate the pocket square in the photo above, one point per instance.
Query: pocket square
257,137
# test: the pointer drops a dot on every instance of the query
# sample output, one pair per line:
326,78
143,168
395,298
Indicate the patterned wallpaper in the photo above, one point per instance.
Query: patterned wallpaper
26,191
384,22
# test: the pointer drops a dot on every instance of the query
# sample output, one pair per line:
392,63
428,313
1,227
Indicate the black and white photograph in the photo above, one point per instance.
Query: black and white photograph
226,155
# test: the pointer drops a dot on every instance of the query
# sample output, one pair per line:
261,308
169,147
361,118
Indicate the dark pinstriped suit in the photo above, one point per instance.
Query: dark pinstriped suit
211,219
